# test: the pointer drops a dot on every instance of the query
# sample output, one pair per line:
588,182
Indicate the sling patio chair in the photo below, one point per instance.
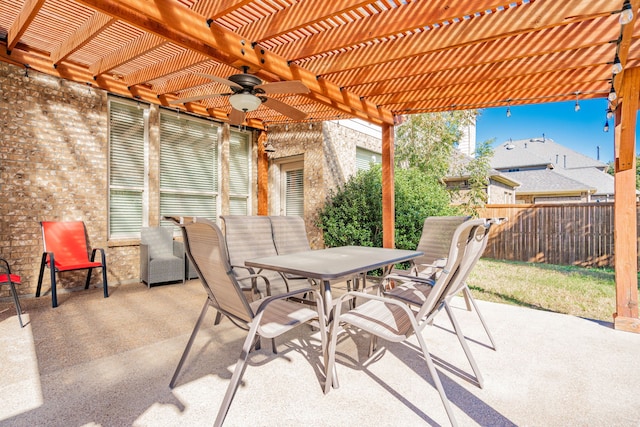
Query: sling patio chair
394,320
66,249
434,242
251,236
268,317
12,280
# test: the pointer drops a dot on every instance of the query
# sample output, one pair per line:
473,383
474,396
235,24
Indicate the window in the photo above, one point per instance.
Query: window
127,141
364,158
239,167
292,193
188,166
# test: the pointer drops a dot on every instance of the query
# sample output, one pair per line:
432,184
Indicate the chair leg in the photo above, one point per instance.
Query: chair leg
16,301
192,338
463,343
86,285
218,318
241,366
467,292
54,295
436,379
40,276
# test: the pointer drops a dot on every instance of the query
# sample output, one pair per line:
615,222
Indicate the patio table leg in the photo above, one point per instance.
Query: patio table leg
328,305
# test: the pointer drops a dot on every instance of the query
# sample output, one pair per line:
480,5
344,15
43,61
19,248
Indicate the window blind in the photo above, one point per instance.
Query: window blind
126,169
188,167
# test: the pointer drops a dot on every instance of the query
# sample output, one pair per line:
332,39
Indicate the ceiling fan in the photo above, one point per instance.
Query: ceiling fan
248,93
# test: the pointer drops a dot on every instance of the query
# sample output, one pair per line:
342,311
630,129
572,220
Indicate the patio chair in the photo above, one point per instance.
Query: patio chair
252,237
161,258
66,249
289,234
434,242
11,280
394,320
269,317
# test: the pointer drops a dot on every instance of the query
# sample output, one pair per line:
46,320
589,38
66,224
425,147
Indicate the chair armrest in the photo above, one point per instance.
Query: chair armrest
178,249
144,252
254,283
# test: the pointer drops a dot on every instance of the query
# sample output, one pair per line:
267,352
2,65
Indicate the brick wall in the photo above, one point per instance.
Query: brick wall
53,166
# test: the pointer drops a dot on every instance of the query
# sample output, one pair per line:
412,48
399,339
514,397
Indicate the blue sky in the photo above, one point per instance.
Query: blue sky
581,131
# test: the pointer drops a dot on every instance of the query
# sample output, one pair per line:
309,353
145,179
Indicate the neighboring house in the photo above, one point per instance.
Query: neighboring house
500,190
551,173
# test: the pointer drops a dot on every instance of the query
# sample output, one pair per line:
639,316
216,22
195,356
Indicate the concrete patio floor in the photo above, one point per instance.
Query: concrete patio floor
108,362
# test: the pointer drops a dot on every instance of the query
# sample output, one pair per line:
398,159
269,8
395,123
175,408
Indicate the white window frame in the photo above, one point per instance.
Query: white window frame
144,220
237,193
285,168
214,192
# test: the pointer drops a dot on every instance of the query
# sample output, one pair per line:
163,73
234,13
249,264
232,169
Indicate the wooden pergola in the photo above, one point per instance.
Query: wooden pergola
375,60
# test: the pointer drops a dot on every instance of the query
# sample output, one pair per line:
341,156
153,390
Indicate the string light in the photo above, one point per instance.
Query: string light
626,13
606,126
612,94
576,108
609,113
508,108
617,65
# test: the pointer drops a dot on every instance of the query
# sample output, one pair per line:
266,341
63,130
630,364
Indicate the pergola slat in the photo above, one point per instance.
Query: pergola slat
20,25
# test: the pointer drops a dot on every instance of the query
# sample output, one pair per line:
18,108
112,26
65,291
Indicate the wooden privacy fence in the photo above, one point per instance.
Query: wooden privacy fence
565,234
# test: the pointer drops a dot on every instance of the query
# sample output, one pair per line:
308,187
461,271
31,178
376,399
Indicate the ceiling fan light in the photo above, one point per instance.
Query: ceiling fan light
245,102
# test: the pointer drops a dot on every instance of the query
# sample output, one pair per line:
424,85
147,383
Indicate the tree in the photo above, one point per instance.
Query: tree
428,141
611,171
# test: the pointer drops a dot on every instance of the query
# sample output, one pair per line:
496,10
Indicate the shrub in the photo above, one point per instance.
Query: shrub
353,213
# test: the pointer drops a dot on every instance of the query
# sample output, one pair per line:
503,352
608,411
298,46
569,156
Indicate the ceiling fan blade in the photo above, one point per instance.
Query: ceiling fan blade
294,86
236,117
285,109
197,98
219,80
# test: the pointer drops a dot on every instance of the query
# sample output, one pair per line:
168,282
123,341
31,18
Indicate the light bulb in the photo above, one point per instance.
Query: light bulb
609,113
576,107
612,94
626,14
617,65
508,111
606,126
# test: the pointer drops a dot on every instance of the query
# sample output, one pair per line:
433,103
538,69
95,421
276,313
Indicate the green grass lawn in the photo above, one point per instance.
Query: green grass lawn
584,292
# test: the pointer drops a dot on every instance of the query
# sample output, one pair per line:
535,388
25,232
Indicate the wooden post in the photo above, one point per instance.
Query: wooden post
625,219
388,193
263,176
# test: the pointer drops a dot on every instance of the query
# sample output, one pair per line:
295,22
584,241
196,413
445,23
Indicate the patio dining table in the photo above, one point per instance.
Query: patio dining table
326,265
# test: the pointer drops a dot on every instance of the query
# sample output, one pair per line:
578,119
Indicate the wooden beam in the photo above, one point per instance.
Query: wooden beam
416,78
297,16
625,212
263,176
523,19
188,29
89,30
22,22
136,48
388,190
388,23
576,36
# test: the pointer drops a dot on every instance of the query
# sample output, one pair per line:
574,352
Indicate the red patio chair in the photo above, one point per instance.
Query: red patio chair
12,280
66,249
